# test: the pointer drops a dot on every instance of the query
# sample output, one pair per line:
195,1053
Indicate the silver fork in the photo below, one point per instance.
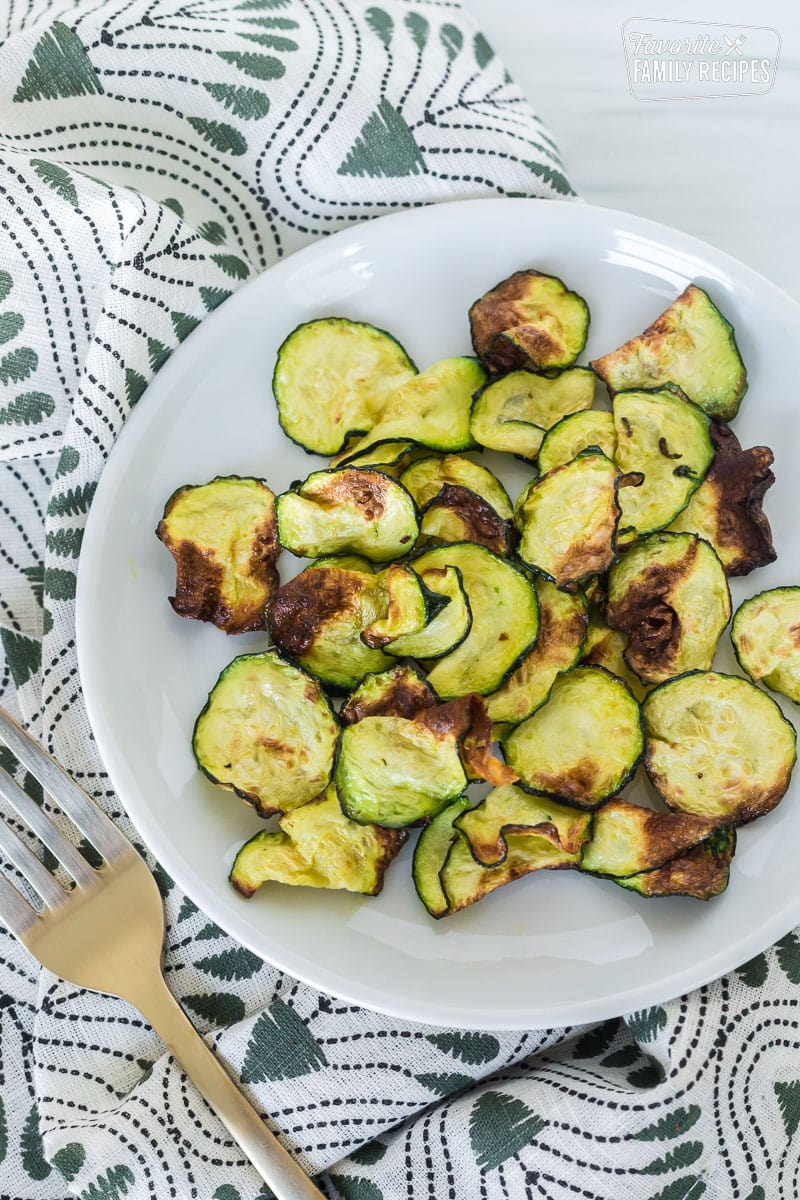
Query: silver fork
107,934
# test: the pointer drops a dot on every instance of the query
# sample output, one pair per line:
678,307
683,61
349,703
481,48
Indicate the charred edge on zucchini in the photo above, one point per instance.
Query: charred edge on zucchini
700,873
426,478
317,846
460,515
467,720
205,528
727,507
399,692
464,881
590,429
512,413
627,839
430,854
509,810
529,320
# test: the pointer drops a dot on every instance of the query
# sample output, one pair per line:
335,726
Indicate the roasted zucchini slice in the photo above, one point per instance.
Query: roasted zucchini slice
409,607
627,839
396,772
317,846
584,744
464,881
726,508
430,853
766,638
426,478
581,431
268,733
432,409
224,539
562,629
605,647
512,413
669,595
392,457
508,810
460,515
333,378
700,873
352,510
529,320
567,520
399,692
690,345
665,439
718,746
318,617
505,620
448,628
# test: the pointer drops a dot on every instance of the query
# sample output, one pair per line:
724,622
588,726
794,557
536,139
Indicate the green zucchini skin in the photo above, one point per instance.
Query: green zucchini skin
590,428
628,839
700,873
764,636
337,369
458,514
464,881
513,412
266,732
430,854
529,321
446,628
426,478
511,810
505,620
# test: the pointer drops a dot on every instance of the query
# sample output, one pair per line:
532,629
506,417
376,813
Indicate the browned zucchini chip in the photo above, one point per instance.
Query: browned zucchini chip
467,719
567,520
426,478
766,638
718,746
509,810
726,508
605,647
464,881
562,629
513,413
529,320
333,378
268,733
690,345
349,511
224,539
460,515
669,595
317,846
627,839
700,873
584,744
399,692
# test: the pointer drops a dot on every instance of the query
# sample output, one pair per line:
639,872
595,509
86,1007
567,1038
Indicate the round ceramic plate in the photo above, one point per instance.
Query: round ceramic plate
555,947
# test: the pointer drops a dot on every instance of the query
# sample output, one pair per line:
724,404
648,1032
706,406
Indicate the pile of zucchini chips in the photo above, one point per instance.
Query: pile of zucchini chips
575,628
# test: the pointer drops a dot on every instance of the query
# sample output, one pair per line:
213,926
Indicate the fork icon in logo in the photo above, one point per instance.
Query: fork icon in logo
734,44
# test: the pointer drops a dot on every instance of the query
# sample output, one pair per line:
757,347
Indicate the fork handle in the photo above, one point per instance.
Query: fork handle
274,1164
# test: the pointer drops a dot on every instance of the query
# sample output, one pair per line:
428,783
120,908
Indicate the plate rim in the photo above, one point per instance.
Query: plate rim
543,1016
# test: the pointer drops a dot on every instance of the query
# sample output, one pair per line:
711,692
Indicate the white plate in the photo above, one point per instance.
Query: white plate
556,947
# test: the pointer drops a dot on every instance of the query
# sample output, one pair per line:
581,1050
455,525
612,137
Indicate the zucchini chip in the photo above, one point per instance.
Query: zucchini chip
690,345
333,378
700,873
562,629
468,720
224,539
505,620
512,413
268,733
464,881
409,607
584,744
665,439
391,457
460,515
567,520
399,692
432,409
718,746
669,595
318,617
605,647
726,508
317,846
352,510
426,478
430,854
766,638
396,772
448,628
508,810
581,431
529,320
628,839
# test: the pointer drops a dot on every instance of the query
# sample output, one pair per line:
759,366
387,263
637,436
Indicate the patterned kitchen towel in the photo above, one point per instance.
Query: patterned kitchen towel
155,154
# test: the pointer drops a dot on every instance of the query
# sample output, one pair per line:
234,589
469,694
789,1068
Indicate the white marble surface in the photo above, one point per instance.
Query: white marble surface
725,169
